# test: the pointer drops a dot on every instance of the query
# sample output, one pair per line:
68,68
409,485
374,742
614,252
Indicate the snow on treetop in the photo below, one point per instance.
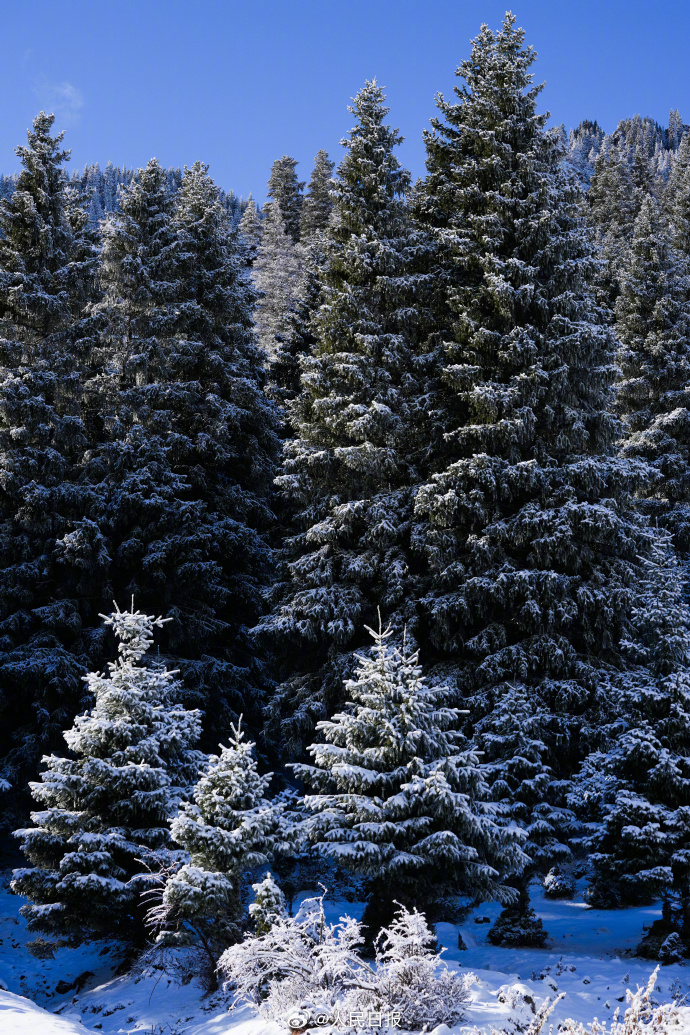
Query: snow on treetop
134,630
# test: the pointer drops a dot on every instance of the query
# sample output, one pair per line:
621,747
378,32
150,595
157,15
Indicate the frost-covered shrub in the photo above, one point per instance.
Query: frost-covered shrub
558,885
640,1018
410,981
304,971
672,949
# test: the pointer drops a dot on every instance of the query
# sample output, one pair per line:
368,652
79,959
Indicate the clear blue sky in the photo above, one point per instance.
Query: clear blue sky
238,84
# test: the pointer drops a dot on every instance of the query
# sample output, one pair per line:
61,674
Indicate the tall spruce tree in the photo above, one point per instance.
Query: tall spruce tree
48,555
653,327
525,528
105,811
348,473
184,469
318,203
286,191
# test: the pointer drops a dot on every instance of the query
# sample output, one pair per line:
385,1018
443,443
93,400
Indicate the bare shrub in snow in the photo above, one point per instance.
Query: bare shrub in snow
304,971
640,1018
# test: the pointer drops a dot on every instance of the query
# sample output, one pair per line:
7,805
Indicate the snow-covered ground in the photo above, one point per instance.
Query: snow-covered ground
587,959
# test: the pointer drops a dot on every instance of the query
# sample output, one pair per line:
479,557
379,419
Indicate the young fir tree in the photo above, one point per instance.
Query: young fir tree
318,204
185,466
349,472
105,811
277,278
49,557
653,327
268,905
401,798
636,793
531,551
286,191
228,829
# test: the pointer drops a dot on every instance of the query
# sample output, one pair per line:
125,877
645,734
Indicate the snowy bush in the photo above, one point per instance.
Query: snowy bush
558,885
305,971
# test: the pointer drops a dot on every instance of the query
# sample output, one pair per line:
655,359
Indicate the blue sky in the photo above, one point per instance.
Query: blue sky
238,84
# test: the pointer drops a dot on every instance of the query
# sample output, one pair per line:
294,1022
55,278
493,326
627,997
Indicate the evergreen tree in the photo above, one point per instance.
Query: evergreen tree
400,797
277,276
107,808
286,191
653,327
268,905
677,199
349,471
512,741
228,829
297,341
184,468
636,793
250,231
613,207
48,555
525,527
318,203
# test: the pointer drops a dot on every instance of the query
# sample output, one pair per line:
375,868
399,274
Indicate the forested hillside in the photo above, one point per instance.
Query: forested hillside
383,489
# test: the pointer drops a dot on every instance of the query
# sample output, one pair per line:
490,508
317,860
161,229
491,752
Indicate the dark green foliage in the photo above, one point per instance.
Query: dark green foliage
184,466
653,327
349,472
518,926
525,528
49,556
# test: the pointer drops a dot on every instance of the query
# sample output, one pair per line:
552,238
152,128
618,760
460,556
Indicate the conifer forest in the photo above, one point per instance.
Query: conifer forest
345,577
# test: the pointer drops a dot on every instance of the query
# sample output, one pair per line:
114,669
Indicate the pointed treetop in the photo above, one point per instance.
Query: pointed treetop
134,631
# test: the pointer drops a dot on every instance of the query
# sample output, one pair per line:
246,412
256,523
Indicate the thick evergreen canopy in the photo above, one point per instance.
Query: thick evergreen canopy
48,554
349,471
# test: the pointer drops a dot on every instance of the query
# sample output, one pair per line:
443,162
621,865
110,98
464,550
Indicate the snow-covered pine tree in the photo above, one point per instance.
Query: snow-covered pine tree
636,793
48,557
250,231
104,812
286,191
401,798
297,340
653,328
318,203
185,465
350,470
531,548
230,827
268,905
277,277
613,207
677,198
